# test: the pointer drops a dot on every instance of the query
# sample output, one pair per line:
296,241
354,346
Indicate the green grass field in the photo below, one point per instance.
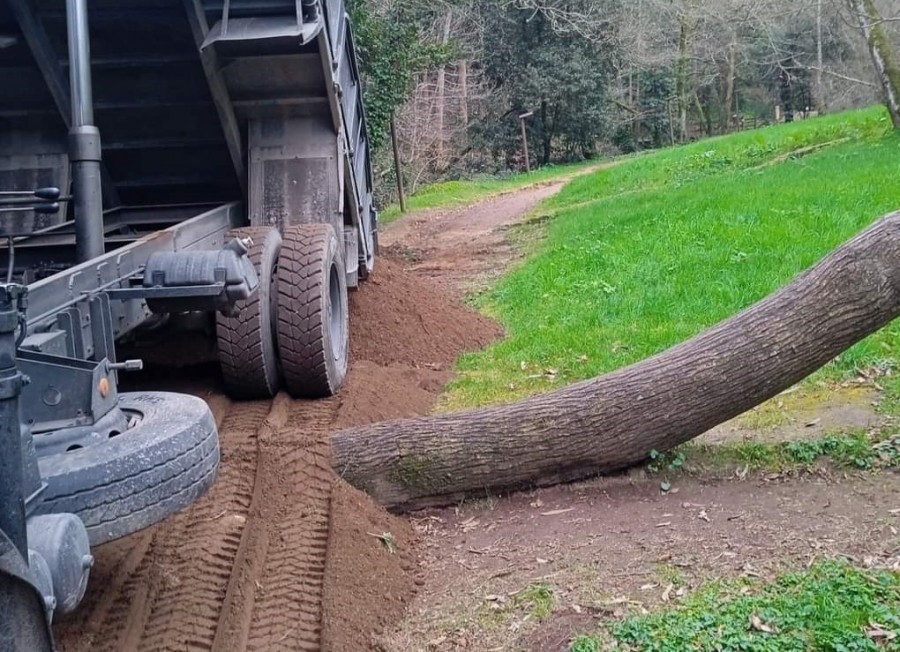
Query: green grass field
647,253
453,194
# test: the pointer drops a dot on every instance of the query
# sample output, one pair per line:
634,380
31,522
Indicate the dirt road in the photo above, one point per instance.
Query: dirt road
464,247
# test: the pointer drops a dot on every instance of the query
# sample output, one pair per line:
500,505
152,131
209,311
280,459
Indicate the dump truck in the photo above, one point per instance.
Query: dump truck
161,162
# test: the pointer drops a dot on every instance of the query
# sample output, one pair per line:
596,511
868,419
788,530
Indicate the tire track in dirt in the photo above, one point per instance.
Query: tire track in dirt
247,566
197,567
167,593
102,605
237,606
288,602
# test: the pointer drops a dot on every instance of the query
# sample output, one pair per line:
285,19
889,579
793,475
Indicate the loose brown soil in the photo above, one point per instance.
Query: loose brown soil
399,319
282,555
616,546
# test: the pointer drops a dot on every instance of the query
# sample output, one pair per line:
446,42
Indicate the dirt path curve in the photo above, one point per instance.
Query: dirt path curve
466,247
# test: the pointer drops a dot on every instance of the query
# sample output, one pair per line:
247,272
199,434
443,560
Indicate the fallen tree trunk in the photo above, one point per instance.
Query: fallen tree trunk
615,420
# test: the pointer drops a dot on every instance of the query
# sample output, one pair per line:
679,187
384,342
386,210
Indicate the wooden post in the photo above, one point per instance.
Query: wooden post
525,139
397,169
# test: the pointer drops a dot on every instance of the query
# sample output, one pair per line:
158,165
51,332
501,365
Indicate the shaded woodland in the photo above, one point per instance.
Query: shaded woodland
605,76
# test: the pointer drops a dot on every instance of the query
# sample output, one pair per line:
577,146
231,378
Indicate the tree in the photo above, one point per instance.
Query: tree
883,58
391,50
627,73
535,64
614,421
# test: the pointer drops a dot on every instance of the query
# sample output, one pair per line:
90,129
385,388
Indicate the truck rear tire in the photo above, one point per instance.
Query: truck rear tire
313,329
248,354
136,478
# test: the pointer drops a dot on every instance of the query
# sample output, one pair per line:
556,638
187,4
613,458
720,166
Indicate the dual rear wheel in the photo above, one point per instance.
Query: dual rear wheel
294,331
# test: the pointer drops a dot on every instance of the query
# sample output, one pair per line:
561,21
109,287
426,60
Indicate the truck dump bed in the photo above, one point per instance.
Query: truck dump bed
186,95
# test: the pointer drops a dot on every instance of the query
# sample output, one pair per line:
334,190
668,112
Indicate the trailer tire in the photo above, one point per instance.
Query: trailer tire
313,329
141,476
248,354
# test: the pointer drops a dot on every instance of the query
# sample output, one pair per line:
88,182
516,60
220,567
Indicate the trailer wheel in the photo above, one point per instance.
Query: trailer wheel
247,350
128,481
313,330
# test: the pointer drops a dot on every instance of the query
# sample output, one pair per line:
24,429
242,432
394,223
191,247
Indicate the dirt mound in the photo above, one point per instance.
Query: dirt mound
399,318
282,555
363,399
371,571
406,334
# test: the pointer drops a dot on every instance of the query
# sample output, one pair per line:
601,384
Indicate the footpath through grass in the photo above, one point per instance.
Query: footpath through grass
648,253
453,194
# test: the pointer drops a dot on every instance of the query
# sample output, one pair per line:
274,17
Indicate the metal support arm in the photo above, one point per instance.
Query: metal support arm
84,138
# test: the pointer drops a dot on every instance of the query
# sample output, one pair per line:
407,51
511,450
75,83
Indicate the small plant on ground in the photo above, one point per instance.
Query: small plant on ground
387,539
537,600
669,574
853,450
585,644
672,461
534,602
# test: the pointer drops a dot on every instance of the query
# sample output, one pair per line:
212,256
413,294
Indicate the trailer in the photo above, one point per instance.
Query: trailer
160,159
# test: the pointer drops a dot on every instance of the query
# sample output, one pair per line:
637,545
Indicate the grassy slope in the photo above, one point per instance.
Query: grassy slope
450,194
648,253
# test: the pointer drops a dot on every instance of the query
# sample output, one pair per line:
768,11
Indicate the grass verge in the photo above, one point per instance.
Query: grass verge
855,450
648,253
831,606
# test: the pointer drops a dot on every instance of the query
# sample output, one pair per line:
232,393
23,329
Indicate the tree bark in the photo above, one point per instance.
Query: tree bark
441,94
705,124
464,96
728,113
820,61
615,420
682,73
886,67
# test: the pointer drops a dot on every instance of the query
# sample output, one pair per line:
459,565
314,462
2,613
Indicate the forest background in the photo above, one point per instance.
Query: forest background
599,77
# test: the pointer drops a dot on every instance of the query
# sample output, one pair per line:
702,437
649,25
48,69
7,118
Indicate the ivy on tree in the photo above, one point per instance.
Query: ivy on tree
391,50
